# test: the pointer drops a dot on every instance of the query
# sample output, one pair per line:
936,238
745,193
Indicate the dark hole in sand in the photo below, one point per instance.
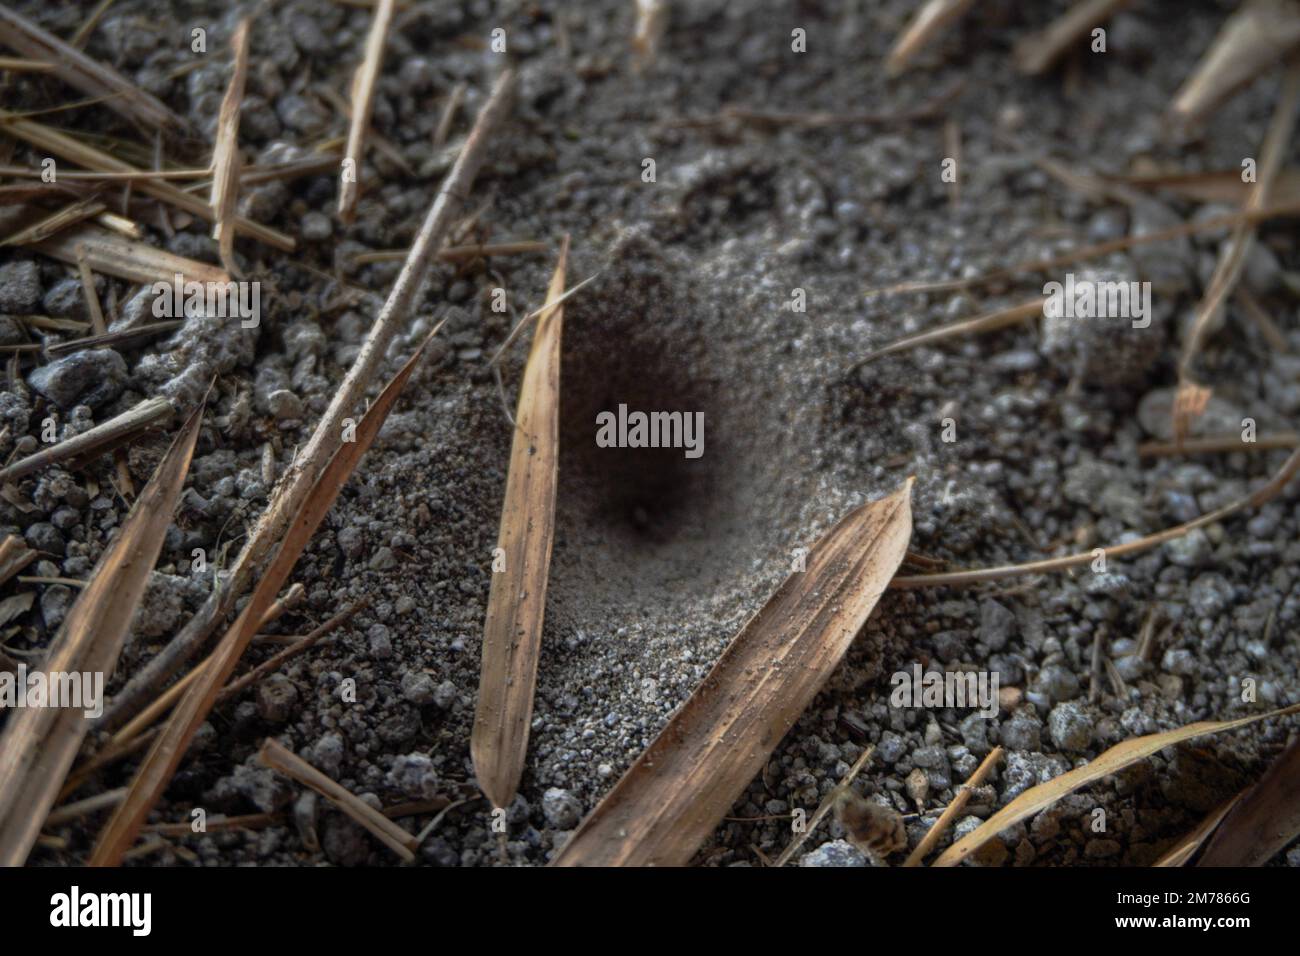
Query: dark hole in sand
649,531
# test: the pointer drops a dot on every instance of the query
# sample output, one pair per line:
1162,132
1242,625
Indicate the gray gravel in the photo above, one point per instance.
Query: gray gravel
658,560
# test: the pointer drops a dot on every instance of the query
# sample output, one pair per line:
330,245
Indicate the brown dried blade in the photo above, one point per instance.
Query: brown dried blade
1113,760
1264,820
512,633
1255,37
677,790
226,160
90,76
40,744
1185,847
169,747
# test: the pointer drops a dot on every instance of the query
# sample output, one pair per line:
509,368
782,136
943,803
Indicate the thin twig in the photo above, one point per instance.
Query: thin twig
932,836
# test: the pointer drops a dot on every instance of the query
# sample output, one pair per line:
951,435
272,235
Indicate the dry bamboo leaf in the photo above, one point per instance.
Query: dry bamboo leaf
88,75
1112,761
298,480
278,758
125,258
40,743
170,745
512,633
676,792
1264,820
989,322
930,20
1254,38
1035,53
1187,845
363,100
226,160
74,151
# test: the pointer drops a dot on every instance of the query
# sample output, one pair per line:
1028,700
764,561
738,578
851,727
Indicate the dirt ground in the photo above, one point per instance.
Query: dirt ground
659,559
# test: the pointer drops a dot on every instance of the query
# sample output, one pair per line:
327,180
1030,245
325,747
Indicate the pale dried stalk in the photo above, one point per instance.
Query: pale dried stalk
1290,208
978,576
226,160
989,322
1037,52
1233,259
1255,37
116,255
512,632
102,438
297,481
88,75
950,812
285,761
825,807
651,23
40,744
933,17
120,337
74,151
88,292
454,99
363,101
456,253
47,226
1269,441
15,64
